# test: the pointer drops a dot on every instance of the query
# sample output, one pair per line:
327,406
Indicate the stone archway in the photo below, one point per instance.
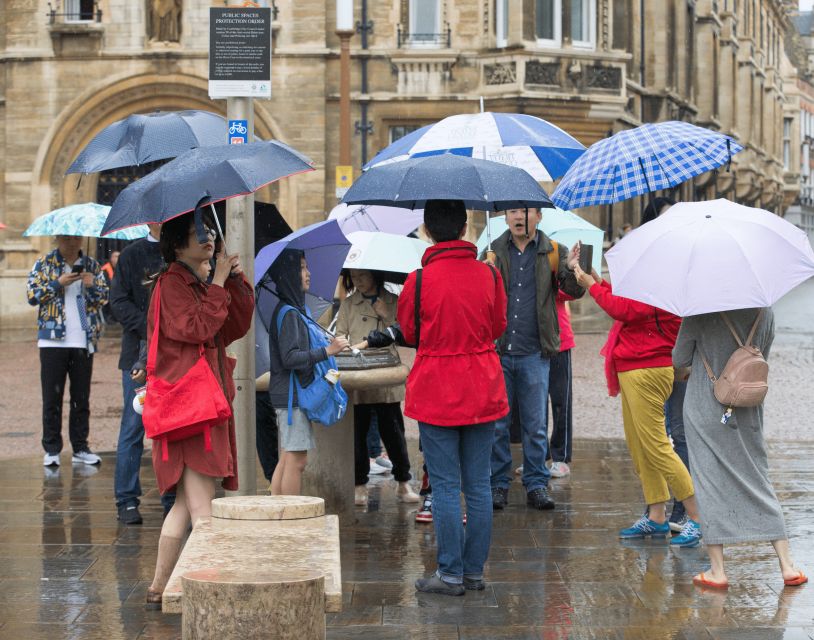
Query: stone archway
115,99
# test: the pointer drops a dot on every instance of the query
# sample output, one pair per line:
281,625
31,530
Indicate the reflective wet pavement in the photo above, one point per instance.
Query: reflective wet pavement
68,571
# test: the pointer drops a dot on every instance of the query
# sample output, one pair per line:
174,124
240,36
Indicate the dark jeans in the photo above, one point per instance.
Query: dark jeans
559,390
391,428
126,481
266,433
674,419
458,459
57,364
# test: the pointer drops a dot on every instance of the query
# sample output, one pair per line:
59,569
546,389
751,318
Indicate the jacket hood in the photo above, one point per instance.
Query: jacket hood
285,273
451,249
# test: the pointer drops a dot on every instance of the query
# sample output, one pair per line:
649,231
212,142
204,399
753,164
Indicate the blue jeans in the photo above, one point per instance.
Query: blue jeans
526,377
126,483
458,459
674,418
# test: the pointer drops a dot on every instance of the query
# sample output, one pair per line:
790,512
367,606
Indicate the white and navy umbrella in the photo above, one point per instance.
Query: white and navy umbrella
540,148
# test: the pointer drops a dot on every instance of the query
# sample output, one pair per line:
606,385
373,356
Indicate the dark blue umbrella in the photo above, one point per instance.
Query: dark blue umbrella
481,184
143,138
325,248
203,176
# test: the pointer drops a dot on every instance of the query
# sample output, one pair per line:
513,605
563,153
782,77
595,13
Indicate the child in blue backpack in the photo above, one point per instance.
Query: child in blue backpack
290,350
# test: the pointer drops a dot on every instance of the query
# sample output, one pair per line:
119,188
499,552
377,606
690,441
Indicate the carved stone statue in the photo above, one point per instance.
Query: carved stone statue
164,20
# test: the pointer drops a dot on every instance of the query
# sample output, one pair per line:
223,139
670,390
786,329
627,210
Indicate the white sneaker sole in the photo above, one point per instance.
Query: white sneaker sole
51,461
83,461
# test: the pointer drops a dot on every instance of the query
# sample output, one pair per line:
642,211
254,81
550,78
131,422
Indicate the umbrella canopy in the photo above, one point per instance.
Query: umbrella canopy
542,149
84,220
210,174
561,226
481,184
384,252
702,257
642,160
372,218
143,138
325,248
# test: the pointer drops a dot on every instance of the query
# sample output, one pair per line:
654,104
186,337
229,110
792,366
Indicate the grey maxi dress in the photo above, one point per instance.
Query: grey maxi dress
729,463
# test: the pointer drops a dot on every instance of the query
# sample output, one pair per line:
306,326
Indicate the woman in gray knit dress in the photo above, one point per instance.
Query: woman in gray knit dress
729,461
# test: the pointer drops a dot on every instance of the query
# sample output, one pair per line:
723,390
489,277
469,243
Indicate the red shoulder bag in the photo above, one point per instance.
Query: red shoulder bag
178,410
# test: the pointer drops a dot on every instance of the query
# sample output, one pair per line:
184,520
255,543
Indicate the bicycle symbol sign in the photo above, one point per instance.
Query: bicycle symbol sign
237,126
238,131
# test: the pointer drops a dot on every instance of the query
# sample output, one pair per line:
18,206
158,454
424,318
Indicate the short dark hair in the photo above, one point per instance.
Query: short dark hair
347,282
444,219
654,207
175,233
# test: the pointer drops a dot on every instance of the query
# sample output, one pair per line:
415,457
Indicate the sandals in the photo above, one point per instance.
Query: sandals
796,581
153,602
702,581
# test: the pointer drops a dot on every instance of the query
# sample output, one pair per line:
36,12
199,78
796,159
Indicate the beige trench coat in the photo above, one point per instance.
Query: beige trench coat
356,319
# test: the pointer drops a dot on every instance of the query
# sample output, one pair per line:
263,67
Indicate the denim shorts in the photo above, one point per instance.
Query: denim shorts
297,436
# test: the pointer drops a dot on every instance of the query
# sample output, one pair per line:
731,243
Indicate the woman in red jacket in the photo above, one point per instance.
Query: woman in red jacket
639,362
455,390
195,313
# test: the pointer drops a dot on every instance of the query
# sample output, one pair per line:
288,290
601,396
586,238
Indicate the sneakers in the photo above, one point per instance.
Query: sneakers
539,499
376,469
690,535
424,514
559,470
474,584
129,514
500,498
86,457
50,460
644,527
434,584
405,493
678,518
360,495
383,461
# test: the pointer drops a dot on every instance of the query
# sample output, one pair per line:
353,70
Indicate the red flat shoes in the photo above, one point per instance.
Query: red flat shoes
796,581
702,581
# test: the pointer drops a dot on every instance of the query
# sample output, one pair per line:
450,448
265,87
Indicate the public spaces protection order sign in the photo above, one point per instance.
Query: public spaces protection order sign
239,52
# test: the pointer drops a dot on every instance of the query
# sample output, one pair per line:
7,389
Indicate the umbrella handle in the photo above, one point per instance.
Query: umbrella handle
220,231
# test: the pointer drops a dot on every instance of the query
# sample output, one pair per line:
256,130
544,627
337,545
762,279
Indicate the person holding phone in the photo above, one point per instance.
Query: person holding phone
70,290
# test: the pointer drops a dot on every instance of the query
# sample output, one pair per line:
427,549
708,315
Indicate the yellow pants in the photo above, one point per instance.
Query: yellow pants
644,392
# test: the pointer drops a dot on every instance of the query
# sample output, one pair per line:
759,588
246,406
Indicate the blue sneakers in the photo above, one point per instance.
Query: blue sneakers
690,535
644,527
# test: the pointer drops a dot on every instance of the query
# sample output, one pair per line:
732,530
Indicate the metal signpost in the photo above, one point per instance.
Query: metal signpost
240,70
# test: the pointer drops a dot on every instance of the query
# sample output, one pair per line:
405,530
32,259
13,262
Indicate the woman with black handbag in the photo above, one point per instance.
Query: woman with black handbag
196,322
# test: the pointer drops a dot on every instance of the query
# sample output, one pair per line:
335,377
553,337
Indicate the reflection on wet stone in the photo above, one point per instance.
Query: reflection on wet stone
68,570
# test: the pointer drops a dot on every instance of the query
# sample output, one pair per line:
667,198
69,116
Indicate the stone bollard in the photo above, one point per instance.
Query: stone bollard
228,605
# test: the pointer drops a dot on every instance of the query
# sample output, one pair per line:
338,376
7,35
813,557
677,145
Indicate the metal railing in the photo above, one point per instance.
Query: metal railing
79,16
406,39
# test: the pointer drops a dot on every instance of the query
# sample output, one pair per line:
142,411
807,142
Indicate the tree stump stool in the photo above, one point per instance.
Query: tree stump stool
229,605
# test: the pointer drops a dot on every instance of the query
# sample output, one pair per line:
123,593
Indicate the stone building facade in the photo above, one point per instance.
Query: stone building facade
69,68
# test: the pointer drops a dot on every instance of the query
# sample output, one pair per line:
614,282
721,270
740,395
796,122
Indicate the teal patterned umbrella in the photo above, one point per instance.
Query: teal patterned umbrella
81,220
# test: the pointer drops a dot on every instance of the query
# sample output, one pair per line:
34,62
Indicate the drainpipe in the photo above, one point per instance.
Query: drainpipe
363,127
641,58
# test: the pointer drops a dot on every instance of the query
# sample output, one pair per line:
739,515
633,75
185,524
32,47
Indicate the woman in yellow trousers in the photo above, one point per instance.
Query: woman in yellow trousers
639,363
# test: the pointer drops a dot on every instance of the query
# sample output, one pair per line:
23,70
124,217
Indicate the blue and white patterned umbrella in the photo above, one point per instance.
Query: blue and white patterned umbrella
541,149
84,220
642,160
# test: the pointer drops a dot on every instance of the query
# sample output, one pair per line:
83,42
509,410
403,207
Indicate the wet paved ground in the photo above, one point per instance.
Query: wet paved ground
68,571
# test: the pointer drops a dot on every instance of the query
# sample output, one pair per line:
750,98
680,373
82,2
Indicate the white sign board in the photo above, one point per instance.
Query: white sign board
239,52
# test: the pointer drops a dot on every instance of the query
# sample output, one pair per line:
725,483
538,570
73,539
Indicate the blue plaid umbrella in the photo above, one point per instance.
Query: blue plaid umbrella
642,160
84,220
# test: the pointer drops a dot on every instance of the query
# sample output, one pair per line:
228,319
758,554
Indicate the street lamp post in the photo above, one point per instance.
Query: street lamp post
345,30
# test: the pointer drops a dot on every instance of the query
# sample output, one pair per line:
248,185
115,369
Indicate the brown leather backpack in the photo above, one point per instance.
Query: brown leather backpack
744,380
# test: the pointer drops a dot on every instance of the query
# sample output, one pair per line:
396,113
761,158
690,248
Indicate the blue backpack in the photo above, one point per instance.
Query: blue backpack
321,401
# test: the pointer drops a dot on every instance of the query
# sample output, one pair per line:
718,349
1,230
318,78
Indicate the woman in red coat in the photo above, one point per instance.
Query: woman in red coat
455,391
639,362
193,313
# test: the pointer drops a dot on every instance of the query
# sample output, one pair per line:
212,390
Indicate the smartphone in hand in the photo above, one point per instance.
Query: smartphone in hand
586,257
78,268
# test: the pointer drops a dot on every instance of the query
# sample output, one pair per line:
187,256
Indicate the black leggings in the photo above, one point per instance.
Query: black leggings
56,365
391,428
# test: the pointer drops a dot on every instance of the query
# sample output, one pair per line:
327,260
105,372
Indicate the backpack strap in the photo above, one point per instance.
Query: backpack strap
711,375
734,333
284,309
554,259
417,306
754,328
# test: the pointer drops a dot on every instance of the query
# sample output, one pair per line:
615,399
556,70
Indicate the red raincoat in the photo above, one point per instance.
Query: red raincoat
456,379
192,313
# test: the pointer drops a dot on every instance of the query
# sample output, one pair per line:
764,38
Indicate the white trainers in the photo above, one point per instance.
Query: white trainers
86,457
405,493
360,495
376,469
49,460
384,462
559,470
